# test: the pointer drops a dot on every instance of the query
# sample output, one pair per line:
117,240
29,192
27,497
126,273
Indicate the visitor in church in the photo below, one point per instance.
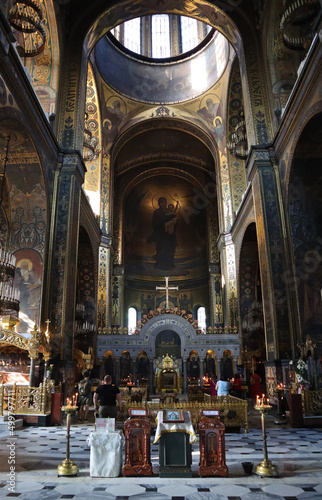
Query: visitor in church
237,386
213,384
85,396
256,387
107,394
223,386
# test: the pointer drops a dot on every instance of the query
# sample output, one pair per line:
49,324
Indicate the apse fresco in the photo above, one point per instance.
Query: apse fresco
164,230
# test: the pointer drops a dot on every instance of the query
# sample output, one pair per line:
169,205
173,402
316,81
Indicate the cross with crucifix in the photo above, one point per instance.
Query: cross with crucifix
166,288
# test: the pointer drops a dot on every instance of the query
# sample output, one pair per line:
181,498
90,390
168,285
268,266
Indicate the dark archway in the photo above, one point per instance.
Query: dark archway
305,215
251,307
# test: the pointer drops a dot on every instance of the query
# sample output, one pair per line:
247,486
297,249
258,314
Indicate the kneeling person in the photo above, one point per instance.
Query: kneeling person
107,394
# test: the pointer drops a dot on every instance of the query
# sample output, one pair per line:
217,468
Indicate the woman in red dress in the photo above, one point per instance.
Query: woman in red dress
256,388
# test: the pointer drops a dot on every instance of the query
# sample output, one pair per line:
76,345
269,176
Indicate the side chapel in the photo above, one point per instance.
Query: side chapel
161,186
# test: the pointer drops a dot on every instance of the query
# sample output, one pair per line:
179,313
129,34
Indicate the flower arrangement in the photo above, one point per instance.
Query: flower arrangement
300,369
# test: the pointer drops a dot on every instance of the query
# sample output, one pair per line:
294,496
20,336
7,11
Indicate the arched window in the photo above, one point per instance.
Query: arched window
132,320
201,316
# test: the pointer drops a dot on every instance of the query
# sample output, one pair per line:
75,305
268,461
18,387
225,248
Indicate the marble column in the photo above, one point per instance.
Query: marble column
201,371
117,370
151,375
134,370
185,376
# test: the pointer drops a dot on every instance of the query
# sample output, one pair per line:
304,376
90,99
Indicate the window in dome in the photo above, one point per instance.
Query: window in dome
160,37
132,35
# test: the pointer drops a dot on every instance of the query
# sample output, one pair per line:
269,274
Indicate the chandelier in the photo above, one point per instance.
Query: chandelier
238,146
90,150
296,22
26,16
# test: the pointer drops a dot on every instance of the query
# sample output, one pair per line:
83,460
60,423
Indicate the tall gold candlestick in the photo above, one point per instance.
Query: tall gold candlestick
67,467
265,468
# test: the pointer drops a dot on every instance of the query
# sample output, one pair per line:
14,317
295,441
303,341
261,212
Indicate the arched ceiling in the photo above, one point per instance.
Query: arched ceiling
158,144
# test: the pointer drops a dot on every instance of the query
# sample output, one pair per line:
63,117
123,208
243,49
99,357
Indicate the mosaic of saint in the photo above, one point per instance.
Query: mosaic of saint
164,233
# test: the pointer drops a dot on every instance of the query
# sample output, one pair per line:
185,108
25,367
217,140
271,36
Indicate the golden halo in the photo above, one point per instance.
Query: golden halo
21,261
217,118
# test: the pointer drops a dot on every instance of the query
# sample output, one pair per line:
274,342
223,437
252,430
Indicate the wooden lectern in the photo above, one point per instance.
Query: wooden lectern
137,431
212,445
175,434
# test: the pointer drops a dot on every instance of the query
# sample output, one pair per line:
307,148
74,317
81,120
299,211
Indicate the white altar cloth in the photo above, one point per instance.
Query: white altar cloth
185,426
106,453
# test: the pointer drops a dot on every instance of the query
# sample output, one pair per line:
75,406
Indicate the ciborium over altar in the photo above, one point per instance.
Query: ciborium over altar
67,467
266,467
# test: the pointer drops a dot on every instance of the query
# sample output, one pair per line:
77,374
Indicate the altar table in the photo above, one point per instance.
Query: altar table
106,453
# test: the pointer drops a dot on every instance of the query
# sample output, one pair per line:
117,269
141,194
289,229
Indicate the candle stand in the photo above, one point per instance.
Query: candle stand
67,467
280,418
265,468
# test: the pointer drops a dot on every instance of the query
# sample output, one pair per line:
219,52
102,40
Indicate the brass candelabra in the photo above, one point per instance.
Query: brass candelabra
266,467
67,467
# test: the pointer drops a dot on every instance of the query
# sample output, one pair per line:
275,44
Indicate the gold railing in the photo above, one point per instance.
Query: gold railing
312,402
233,411
25,400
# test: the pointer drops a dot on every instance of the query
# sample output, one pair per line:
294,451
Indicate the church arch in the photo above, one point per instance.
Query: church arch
304,217
250,296
25,217
171,322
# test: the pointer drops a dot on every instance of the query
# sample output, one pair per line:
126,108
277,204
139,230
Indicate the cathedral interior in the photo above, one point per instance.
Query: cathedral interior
155,201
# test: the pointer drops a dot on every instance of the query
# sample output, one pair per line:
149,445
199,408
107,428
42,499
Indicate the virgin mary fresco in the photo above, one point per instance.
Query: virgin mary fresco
164,233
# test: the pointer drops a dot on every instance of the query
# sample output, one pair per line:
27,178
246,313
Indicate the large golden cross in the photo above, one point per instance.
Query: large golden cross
166,288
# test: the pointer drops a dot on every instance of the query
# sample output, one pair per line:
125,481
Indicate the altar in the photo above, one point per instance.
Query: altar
168,374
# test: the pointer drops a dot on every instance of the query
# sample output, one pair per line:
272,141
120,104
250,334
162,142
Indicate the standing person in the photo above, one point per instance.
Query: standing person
223,386
213,384
85,396
107,394
256,388
237,385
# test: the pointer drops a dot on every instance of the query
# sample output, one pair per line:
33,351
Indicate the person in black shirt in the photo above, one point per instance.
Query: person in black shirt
107,394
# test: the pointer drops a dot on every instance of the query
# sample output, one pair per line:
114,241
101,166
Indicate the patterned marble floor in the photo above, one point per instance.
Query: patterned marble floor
38,451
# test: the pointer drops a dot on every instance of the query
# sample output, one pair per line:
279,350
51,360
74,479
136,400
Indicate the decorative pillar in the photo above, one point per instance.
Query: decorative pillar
33,350
201,371
216,307
118,297
185,376
117,370
134,370
151,375
216,303
273,256
65,253
228,280
104,285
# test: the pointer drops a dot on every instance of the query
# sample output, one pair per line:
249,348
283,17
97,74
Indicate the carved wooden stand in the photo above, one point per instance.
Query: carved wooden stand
212,447
137,447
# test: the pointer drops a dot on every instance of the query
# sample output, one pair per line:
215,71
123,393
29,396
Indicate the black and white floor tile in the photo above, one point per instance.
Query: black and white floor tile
297,454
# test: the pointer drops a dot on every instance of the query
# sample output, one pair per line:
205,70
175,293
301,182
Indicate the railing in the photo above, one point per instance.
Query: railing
232,411
25,400
312,402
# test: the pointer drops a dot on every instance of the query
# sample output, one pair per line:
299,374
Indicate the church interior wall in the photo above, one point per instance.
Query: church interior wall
175,151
